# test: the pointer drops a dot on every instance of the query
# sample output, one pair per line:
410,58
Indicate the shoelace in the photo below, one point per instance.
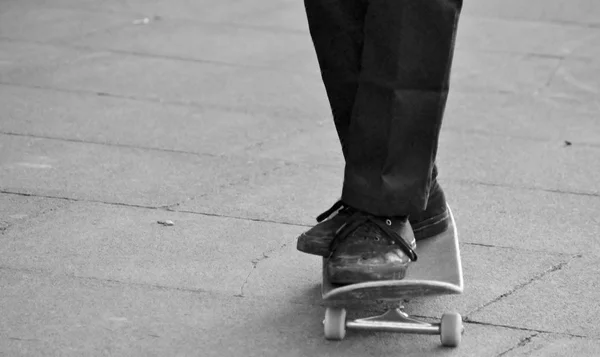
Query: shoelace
358,219
336,206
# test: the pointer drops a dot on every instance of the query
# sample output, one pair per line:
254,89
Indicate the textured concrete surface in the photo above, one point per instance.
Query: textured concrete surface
95,317
118,114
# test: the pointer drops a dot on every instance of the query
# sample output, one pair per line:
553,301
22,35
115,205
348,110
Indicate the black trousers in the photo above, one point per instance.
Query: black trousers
386,65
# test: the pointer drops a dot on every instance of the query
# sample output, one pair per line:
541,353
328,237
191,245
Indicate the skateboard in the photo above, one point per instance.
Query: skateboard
438,271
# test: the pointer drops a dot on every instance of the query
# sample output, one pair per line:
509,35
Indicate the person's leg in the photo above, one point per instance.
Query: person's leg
392,140
403,85
336,28
336,33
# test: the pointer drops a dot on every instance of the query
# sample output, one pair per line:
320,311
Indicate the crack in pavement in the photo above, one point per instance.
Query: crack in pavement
522,342
42,272
112,144
278,112
265,255
535,278
165,208
522,187
537,331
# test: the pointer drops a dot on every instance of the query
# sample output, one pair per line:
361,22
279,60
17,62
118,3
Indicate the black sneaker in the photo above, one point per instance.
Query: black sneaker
431,222
369,248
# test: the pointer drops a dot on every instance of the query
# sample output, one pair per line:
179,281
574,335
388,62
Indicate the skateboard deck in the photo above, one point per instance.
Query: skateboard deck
437,271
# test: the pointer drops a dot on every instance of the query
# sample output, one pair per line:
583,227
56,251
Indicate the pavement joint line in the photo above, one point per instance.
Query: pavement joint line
526,55
536,277
537,331
258,111
558,22
287,134
208,214
48,273
68,43
520,249
458,130
283,112
26,194
522,343
521,187
65,44
112,144
265,67
261,220
167,208
241,25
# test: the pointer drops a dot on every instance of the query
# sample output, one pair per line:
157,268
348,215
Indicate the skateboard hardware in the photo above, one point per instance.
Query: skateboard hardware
449,328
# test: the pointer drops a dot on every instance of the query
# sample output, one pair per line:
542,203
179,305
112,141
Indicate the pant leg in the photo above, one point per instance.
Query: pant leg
336,28
392,139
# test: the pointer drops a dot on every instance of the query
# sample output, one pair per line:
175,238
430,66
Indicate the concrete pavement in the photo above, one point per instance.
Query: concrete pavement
212,115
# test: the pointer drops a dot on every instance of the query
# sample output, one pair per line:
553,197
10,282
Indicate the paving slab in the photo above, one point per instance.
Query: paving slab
115,174
102,119
524,116
53,314
128,244
548,345
287,271
560,302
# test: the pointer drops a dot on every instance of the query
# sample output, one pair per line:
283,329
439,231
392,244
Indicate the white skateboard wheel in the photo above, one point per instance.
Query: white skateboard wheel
451,329
335,323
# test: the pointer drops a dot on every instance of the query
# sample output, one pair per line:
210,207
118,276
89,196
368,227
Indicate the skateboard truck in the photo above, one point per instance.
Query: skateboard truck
449,328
